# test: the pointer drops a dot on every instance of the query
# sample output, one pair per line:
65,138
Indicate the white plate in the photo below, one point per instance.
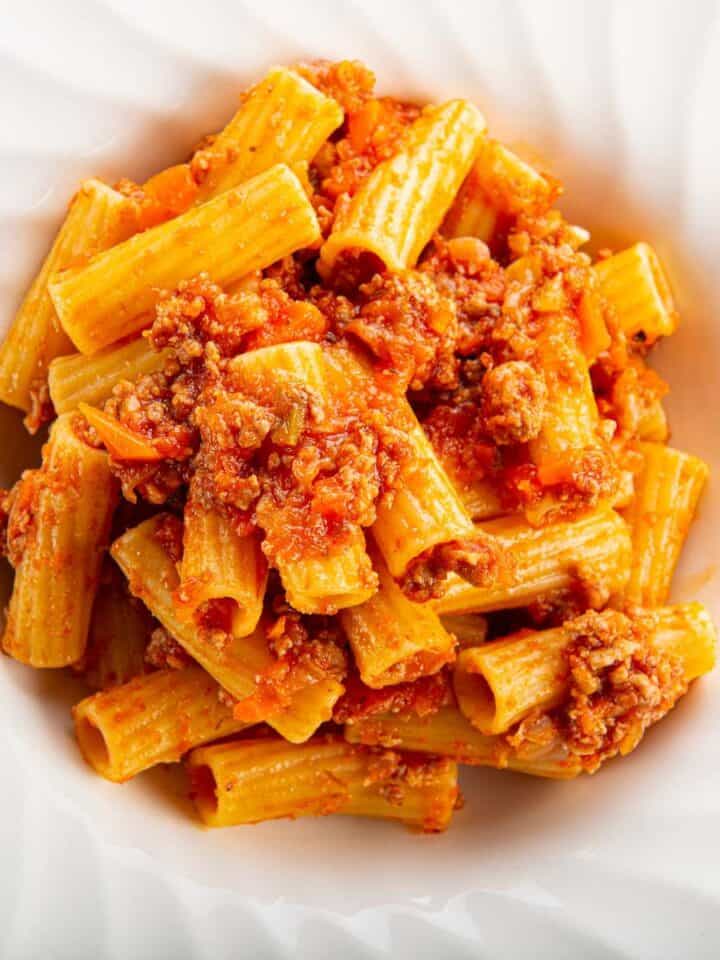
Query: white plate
622,100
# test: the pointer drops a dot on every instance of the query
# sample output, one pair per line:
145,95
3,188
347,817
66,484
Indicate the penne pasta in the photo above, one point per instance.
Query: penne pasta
634,284
220,564
592,552
283,119
498,684
77,379
393,639
243,229
402,203
448,733
58,529
667,491
150,720
254,780
98,218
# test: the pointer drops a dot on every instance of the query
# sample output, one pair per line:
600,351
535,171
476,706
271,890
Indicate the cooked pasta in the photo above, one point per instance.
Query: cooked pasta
250,780
448,733
591,555
98,218
243,229
403,201
634,283
242,665
58,528
284,119
150,720
393,639
357,466
76,379
498,684
666,494
220,564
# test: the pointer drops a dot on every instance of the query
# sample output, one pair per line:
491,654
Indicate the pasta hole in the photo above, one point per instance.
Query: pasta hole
93,744
477,700
203,790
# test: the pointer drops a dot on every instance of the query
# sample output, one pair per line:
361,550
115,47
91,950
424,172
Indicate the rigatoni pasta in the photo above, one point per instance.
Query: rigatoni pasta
76,379
151,719
404,200
241,230
635,285
667,491
237,662
395,494
393,639
592,554
499,684
252,780
98,218
448,733
284,119
218,563
59,527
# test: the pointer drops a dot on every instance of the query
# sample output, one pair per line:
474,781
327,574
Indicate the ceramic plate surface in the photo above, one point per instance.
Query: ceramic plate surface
621,100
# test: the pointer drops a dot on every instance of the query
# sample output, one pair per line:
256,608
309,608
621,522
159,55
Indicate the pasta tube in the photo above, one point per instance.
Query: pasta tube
499,184
666,496
341,575
469,629
253,780
594,551
239,663
58,530
150,720
79,379
636,286
241,230
98,218
120,629
393,639
283,119
500,683
425,510
570,421
402,203
217,564
448,733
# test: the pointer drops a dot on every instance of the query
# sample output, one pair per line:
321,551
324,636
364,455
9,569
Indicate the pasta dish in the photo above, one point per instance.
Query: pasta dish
356,468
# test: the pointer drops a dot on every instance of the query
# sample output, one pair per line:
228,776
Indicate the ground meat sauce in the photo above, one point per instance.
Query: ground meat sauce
619,684
423,697
458,335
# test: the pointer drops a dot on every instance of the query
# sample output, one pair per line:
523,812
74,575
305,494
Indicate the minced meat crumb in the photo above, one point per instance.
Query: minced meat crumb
513,402
164,652
479,560
620,683
422,697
